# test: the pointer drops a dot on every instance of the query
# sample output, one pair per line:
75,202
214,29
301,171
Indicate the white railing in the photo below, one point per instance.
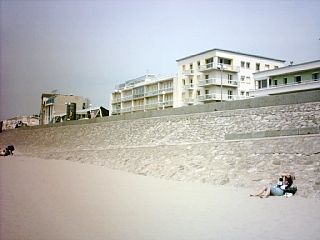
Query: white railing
217,66
151,106
166,90
188,72
189,87
127,98
152,93
219,97
126,109
138,108
217,81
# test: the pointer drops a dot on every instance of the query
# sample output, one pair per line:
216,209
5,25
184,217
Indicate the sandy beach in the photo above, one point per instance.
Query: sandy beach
51,199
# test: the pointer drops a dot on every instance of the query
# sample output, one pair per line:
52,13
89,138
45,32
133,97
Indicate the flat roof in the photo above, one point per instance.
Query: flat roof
229,51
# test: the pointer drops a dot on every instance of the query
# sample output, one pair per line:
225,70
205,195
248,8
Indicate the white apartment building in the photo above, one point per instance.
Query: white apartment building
144,93
218,75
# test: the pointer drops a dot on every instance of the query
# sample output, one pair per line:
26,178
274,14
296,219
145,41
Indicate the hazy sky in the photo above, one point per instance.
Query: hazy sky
87,47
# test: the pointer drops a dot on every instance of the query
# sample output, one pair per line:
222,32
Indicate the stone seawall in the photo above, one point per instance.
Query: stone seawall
201,146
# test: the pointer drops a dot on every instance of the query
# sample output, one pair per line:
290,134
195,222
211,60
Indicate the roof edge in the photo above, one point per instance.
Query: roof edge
230,51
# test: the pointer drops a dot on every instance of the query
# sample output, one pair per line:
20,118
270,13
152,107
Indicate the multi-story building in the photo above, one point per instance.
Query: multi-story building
54,105
143,94
218,75
293,78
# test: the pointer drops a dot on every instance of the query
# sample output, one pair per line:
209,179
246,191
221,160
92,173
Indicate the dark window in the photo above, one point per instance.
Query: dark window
285,81
315,76
257,66
297,79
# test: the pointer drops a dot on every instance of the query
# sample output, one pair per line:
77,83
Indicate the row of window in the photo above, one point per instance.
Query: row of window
297,79
247,65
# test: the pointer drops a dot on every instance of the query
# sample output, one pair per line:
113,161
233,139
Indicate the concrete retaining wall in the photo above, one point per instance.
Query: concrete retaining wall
242,147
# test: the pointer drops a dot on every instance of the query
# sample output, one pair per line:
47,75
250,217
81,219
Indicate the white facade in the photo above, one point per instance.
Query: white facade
143,94
213,75
218,75
293,78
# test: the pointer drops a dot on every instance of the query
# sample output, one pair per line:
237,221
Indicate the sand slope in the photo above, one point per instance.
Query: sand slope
50,199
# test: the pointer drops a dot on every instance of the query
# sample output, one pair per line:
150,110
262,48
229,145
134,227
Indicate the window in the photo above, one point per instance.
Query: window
198,92
230,94
315,76
198,63
206,91
242,78
267,66
242,93
242,64
184,81
209,62
257,66
276,67
297,79
224,61
262,84
191,66
275,82
183,67
247,65
270,82
206,76
285,81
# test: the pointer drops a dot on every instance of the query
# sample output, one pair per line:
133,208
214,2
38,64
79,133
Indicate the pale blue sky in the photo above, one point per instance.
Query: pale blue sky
87,47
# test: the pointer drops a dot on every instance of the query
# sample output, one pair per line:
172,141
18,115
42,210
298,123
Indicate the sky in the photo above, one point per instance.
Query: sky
86,48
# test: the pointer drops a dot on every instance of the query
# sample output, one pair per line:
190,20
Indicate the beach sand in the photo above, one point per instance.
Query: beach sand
51,199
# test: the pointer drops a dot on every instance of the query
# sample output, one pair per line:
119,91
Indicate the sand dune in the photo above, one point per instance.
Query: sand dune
50,199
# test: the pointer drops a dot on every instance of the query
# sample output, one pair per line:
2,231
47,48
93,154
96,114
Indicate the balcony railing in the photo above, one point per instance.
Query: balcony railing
116,100
217,66
127,98
150,106
188,72
188,87
138,108
126,109
166,90
217,81
219,97
188,101
151,93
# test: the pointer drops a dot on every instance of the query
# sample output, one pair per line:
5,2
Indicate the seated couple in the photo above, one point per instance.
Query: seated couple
284,186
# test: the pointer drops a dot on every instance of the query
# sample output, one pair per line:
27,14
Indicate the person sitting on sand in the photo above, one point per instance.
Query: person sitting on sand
277,190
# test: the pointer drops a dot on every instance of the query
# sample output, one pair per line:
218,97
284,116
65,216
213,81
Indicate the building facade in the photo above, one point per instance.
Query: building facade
293,78
144,93
218,75
55,105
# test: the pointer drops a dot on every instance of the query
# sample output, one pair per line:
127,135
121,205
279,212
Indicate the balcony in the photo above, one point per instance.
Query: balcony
218,97
50,101
217,82
188,101
287,88
216,66
116,100
189,72
139,95
151,106
168,103
126,109
189,87
127,98
166,90
151,93
138,108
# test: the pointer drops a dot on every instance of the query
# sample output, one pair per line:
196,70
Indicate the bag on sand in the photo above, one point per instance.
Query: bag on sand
293,189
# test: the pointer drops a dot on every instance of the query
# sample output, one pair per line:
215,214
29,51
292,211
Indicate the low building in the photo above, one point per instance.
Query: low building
53,105
293,78
20,121
144,93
